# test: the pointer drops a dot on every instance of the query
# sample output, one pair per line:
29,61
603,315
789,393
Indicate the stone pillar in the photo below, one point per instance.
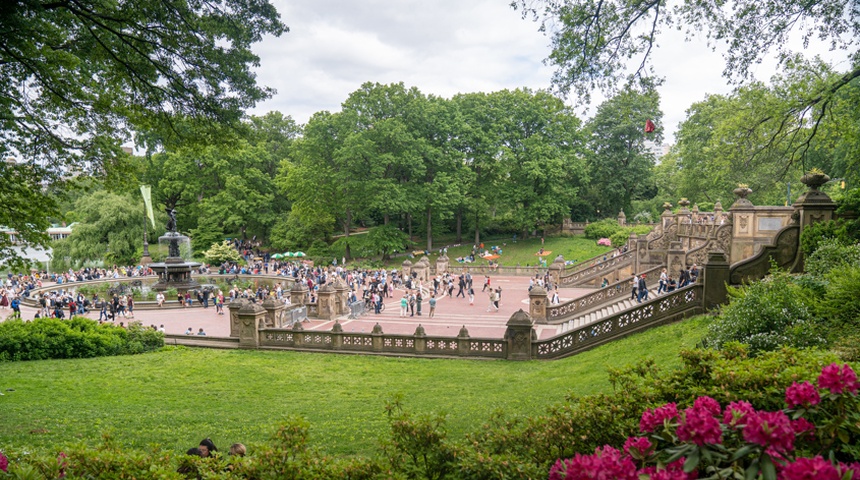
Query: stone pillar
376,337
341,297
641,256
442,264
251,317
715,278
743,220
326,303
299,293
667,215
463,342
420,339
555,270
520,334
273,311
718,212
234,308
406,269
622,219
298,334
676,259
337,336
420,270
537,304
813,206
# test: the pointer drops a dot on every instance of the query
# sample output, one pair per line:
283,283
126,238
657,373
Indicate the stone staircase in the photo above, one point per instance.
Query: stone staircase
605,311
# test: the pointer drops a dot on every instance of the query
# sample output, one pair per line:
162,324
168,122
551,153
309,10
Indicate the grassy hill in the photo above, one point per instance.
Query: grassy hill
175,397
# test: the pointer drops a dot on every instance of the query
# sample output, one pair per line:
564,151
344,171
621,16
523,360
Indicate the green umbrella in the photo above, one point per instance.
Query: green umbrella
277,256
299,254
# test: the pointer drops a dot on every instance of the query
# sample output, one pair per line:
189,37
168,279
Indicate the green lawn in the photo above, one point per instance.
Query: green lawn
523,251
175,397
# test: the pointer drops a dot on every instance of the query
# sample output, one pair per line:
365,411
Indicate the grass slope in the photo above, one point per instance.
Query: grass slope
523,252
175,397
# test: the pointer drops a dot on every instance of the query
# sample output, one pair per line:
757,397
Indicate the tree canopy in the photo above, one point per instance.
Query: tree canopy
77,78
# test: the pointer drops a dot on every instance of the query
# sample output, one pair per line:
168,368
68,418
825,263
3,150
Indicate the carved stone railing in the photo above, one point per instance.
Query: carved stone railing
201,341
380,343
785,251
599,298
661,310
597,270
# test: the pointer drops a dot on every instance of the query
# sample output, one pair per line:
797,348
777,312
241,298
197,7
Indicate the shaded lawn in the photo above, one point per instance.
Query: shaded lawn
175,397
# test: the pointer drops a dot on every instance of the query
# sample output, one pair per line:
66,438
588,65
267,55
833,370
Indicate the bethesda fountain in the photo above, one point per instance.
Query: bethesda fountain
175,270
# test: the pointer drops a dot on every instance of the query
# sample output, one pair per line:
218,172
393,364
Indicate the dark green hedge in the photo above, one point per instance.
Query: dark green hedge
79,337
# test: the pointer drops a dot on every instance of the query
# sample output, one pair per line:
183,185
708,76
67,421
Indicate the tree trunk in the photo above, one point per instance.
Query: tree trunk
429,229
460,225
409,224
477,229
346,224
385,219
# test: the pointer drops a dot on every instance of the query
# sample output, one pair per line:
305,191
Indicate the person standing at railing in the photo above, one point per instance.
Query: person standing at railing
634,287
664,282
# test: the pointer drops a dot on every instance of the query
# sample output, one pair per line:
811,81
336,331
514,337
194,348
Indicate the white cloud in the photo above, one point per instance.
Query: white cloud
444,47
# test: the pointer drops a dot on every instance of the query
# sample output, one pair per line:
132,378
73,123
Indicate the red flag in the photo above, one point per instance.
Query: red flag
649,126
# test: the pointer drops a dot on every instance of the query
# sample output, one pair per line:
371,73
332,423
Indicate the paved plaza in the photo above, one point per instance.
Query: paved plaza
451,314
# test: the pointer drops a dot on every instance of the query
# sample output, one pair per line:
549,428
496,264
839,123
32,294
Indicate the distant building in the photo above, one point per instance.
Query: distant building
56,232
657,150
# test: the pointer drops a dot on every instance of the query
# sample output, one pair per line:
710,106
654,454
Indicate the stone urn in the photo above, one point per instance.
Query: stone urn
742,192
814,179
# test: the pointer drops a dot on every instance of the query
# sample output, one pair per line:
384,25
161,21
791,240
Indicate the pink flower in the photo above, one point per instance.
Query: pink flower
700,426
854,468
708,404
606,464
802,426
651,419
809,469
801,395
770,429
640,447
838,380
4,462
736,413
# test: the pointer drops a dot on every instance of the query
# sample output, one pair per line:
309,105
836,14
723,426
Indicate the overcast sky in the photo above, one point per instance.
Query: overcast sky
443,47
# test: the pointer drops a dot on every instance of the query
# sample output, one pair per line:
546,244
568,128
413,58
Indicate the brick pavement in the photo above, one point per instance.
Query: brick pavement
451,314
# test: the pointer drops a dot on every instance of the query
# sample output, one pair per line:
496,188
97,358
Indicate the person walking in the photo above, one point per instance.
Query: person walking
418,300
404,303
471,296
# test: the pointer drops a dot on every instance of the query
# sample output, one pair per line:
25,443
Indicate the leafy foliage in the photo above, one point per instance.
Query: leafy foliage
222,252
79,337
767,315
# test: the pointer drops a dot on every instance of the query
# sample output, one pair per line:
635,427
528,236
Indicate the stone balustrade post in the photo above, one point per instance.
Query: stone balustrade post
715,278
341,297
538,300
376,338
520,334
299,293
326,303
442,264
234,308
463,342
420,340
251,317
336,336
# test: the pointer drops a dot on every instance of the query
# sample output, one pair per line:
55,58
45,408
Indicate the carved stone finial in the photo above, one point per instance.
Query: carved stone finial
337,327
464,333
520,318
419,331
742,192
377,329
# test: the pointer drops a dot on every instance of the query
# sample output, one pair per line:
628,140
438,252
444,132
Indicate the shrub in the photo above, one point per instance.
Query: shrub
830,254
841,301
818,233
603,229
79,337
766,315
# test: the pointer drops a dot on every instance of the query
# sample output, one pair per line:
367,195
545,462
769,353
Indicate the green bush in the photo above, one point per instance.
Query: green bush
841,302
831,254
79,337
603,229
767,315
817,234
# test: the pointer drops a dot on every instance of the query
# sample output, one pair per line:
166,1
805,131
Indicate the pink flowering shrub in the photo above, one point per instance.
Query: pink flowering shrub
821,422
605,242
4,462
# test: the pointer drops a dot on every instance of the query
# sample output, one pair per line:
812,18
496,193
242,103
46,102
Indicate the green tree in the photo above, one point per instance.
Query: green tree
384,239
597,43
222,252
109,228
619,163
77,78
